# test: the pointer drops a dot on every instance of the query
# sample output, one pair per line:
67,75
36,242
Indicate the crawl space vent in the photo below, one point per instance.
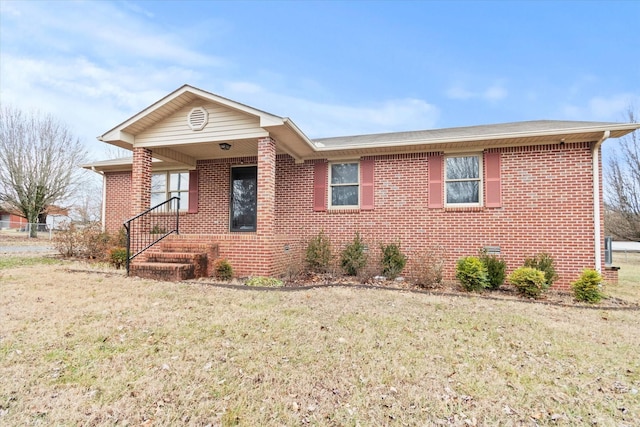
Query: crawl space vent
198,118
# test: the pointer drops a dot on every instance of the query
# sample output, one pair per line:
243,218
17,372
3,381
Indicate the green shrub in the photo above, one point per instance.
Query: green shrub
392,261
472,274
543,262
319,253
266,282
354,257
587,288
529,281
118,257
223,269
496,269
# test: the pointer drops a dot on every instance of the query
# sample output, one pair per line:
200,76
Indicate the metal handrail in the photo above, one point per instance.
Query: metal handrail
143,229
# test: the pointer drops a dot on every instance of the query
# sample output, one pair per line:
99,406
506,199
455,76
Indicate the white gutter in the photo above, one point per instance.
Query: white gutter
596,199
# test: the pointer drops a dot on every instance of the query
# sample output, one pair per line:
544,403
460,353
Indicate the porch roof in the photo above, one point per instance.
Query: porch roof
241,126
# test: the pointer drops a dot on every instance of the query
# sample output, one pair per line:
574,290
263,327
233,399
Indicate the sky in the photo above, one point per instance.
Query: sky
334,67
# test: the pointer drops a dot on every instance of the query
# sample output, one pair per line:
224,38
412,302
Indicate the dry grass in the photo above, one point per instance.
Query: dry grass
628,287
100,349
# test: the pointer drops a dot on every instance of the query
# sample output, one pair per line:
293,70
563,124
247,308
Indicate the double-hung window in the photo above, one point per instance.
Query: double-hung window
344,185
165,185
463,180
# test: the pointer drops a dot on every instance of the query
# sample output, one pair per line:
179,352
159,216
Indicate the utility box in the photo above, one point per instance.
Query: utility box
608,251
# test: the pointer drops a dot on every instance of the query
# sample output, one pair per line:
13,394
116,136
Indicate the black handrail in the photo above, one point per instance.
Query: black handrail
149,227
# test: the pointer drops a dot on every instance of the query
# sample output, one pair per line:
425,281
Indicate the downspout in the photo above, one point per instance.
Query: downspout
596,199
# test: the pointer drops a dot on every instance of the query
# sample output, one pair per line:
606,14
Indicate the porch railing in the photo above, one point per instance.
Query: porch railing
149,227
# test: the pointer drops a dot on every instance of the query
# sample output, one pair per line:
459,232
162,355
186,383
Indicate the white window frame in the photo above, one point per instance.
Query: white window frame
350,184
479,180
167,190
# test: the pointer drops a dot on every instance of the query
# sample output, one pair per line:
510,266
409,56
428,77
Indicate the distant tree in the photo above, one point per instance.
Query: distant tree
39,160
622,213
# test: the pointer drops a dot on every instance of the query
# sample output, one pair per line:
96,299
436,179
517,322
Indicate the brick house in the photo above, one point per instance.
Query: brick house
255,188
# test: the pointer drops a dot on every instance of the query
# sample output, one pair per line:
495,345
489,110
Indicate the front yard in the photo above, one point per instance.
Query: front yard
95,348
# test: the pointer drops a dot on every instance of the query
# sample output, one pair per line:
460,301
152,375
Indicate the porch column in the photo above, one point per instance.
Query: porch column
140,180
266,220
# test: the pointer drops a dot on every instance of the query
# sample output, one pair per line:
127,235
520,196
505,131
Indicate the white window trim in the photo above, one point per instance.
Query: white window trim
480,180
167,192
330,189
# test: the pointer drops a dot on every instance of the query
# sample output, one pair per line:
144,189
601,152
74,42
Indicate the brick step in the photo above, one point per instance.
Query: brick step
185,246
167,271
176,257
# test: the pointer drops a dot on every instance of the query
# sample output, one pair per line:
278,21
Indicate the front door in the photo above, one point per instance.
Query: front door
244,196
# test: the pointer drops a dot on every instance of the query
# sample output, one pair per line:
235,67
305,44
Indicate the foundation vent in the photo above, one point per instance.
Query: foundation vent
198,118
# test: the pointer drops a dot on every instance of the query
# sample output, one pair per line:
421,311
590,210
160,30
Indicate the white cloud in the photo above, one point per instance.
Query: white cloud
600,108
322,119
495,92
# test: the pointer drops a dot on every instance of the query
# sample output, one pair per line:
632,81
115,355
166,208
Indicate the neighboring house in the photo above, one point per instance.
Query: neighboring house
9,220
253,184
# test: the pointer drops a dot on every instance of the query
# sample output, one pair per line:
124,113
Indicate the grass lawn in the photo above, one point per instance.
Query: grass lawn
80,348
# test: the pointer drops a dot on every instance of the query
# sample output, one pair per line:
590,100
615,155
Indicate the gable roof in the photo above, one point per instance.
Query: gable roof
291,140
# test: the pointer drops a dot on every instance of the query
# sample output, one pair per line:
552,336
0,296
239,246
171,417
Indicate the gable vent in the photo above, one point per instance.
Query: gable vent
198,118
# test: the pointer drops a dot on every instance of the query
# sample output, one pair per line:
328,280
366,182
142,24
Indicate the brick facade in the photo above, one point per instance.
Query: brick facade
546,206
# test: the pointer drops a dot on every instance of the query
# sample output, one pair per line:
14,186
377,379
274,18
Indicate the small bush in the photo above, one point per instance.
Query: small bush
319,253
120,238
588,287
529,281
118,257
392,261
86,242
223,270
472,274
427,271
265,282
354,257
496,269
543,262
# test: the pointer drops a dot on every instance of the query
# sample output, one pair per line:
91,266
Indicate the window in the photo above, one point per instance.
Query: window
344,184
462,180
165,185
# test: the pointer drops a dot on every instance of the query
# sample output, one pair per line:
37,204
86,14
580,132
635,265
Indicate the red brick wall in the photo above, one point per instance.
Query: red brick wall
118,203
547,205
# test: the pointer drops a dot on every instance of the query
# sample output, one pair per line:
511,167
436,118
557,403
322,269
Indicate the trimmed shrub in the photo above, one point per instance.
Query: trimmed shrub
496,269
588,287
265,282
118,257
319,253
354,257
543,262
427,270
392,261
223,270
529,281
472,274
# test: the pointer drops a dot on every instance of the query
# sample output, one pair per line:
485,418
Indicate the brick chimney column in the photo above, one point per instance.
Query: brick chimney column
266,187
141,181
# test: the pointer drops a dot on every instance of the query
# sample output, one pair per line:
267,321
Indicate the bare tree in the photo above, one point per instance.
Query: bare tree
86,206
622,215
39,160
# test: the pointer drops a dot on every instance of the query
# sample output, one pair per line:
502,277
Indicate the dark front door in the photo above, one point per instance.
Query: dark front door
244,195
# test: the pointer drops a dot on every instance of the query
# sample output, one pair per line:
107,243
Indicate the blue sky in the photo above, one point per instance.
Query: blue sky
335,68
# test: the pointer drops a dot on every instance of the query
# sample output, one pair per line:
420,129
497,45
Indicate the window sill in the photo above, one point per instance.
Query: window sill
464,208
343,210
